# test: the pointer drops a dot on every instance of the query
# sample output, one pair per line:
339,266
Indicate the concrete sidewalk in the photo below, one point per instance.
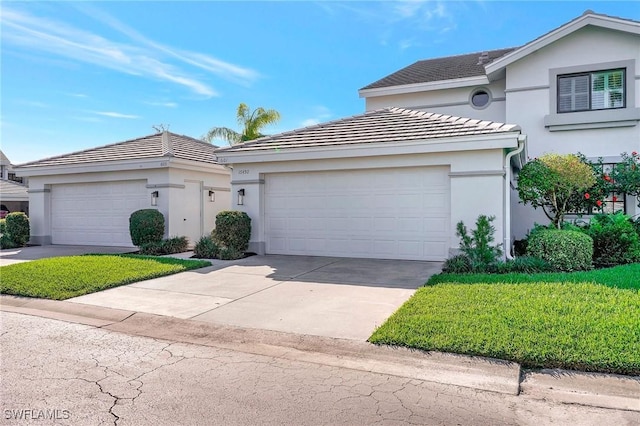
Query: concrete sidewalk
25,254
589,389
323,296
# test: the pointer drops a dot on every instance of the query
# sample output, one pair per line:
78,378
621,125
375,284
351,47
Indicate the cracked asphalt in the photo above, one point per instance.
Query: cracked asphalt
82,375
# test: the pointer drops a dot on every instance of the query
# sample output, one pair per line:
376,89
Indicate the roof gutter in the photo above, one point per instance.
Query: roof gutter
506,200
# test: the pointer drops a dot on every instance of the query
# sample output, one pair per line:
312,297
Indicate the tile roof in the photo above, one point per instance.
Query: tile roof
461,66
387,125
12,191
447,68
586,14
152,146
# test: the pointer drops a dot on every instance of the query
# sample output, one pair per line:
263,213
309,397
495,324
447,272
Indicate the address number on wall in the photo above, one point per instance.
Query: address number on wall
243,171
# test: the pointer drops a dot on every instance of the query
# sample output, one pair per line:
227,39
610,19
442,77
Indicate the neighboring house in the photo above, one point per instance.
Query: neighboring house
13,198
393,182
7,172
13,193
574,89
86,197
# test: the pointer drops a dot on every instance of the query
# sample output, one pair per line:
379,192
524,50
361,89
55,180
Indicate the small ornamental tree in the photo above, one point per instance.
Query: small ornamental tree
555,182
593,198
626,175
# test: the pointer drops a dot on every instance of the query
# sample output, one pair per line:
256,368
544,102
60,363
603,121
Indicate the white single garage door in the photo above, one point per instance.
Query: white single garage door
399,213
95,213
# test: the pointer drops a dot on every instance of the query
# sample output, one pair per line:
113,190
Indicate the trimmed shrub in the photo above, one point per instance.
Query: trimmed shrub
169,246
615,240
564,250
17,227
146,226
228,253
479,247
6,243
460,264
3,226
233,230
206,248
636,225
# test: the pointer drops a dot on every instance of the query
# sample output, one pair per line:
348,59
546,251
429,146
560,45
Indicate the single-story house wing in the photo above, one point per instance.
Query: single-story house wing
13,197
390,183
87,197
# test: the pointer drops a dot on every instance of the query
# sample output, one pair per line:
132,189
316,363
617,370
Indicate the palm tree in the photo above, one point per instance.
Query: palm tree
251,123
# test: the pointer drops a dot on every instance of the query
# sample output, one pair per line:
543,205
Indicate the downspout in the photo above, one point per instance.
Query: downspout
507,195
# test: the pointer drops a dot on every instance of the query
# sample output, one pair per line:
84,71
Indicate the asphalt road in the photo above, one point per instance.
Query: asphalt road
54,372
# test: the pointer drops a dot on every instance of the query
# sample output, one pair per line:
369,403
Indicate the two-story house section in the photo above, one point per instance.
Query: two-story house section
574,89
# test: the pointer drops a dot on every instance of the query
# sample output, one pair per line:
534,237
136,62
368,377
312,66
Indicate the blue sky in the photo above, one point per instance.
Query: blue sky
76,75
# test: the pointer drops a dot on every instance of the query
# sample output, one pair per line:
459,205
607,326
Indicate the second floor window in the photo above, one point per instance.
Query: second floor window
591,91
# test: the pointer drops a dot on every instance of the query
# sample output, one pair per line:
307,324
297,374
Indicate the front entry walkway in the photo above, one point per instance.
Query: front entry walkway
333,297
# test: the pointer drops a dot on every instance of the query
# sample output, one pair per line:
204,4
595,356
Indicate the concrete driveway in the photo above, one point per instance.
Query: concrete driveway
24,254
333,297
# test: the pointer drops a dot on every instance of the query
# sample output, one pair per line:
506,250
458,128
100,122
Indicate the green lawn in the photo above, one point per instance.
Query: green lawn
586,321
626,276
60,278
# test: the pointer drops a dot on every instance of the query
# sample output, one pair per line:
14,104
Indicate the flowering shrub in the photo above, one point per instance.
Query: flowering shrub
556,183
626,175
595,197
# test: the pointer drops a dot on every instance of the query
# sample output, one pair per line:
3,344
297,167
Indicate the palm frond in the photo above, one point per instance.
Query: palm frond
230,136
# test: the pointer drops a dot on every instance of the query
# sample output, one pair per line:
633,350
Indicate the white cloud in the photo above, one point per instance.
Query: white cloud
138,56
77,95
309,122
116,115
216,66
87,119
394,20
320,114
406,44
163,104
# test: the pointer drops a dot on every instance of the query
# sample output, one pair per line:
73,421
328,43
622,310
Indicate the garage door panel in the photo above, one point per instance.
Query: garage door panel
385,213
95,213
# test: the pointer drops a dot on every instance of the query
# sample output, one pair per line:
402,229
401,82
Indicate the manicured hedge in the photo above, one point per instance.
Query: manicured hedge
146,226
564,250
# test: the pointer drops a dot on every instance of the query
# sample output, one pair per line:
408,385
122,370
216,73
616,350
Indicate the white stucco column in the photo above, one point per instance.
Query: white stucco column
40,219
252,203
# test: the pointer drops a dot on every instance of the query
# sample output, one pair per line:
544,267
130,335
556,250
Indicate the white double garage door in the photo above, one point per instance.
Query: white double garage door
95,213
396,213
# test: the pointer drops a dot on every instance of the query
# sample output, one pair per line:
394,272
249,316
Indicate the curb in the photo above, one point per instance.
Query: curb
575,387
563,386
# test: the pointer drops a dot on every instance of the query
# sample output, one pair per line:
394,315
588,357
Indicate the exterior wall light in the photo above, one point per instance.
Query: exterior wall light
241,197
154,198
212,196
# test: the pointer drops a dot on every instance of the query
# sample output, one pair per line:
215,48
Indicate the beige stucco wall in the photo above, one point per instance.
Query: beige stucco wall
168,181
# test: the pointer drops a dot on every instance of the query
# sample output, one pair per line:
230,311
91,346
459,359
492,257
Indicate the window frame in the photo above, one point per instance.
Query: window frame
628,116
590,75
609,206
